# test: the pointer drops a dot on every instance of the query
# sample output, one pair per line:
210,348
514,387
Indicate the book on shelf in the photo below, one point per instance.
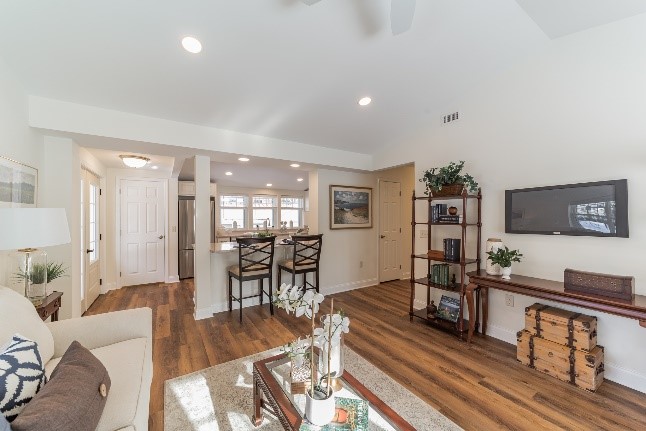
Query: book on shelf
449,309
452,249
437,211
351,415
449,219
439,274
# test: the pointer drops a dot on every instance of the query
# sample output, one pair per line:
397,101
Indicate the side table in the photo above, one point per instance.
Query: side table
50,306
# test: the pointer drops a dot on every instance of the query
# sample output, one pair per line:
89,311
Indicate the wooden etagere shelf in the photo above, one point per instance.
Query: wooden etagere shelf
462,325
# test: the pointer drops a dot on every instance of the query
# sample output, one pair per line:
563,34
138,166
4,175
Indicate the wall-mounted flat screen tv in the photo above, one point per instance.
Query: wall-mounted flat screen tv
588,209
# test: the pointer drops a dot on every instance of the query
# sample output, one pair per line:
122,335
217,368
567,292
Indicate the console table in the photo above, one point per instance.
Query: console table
546,289
50,306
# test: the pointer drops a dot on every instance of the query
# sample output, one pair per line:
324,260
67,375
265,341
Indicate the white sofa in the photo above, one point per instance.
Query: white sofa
121,340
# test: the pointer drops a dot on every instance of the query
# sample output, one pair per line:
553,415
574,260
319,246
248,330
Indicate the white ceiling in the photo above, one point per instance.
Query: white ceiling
280,68
562,17
274,68
252,174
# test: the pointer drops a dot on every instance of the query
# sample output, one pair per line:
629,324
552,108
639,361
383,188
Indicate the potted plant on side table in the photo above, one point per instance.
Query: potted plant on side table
448,180
504,257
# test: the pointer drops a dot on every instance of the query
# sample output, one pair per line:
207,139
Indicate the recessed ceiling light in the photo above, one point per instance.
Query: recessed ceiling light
243,159
191,44
269,184
365,101
228,173
295,165
299,179
133,161
154,167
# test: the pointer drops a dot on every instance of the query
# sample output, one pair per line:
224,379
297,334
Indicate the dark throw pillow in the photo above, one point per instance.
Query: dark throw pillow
22,375
74,397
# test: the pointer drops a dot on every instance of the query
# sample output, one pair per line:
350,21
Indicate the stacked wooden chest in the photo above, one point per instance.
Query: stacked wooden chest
562,344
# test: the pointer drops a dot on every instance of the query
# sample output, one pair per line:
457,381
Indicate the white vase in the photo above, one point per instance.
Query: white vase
493,244
319,411
506,272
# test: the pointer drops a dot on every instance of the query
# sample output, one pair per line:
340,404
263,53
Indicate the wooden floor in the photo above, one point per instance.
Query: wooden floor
479,386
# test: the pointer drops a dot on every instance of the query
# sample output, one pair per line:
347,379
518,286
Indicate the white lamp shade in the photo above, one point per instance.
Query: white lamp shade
33,228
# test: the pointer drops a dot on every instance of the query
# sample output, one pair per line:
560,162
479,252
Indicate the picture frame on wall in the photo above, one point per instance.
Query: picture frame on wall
350,207
18,184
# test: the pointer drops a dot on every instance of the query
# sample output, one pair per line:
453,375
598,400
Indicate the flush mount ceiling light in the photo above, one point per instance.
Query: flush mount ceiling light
269,184
228,173
299,179
365,101
154,167
133,161
243,159
295,165
191,44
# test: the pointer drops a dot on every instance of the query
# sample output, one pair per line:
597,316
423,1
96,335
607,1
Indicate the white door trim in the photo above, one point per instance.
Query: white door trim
117,232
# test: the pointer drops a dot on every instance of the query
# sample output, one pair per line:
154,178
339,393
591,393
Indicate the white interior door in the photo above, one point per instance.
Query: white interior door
143,206
389,231
90,239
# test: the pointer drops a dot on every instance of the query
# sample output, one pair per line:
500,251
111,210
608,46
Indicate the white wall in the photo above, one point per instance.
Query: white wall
573,113
343,250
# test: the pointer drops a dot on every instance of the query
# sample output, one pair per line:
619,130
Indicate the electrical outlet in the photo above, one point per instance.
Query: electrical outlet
361,264
423,233
509,300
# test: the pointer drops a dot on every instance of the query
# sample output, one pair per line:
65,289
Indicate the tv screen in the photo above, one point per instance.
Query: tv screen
590,209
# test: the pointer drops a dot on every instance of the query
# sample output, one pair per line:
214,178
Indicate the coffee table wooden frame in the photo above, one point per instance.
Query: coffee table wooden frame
269,395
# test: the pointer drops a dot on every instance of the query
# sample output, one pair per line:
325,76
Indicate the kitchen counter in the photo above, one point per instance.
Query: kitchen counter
226,247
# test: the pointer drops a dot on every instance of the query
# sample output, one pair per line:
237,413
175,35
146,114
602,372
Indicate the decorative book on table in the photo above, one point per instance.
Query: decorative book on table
351,415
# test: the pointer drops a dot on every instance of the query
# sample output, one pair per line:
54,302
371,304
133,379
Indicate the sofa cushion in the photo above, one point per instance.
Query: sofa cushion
18,316
22,375
124,362
74,397
4,425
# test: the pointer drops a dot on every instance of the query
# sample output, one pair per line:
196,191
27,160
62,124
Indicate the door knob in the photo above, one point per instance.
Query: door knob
382,236
89,251
161,237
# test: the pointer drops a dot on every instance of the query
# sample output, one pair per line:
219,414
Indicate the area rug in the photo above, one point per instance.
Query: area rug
220,398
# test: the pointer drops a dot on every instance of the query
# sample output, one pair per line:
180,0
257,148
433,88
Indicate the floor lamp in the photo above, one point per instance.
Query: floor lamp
28,229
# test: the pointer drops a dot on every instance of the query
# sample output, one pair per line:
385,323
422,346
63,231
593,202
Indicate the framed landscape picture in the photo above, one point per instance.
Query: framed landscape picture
18,184
350,207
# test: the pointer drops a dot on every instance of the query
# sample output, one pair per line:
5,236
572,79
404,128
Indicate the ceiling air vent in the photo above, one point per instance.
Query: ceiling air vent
450,118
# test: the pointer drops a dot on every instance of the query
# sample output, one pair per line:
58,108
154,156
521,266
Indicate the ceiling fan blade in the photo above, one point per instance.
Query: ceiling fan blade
310,2
401,15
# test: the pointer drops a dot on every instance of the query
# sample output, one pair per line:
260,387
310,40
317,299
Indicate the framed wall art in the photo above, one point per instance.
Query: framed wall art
18,184
350,207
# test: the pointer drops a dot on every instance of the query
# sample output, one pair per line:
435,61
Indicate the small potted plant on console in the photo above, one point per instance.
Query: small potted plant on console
504,257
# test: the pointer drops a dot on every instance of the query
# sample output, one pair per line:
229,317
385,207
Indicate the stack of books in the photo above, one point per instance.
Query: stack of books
452,249
438,210
449,219
439,274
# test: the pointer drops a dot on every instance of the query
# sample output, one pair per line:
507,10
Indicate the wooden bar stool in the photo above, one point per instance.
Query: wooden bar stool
255,262
306,257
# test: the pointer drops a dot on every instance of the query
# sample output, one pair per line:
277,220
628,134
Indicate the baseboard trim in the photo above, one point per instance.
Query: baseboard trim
203,313
346,287
108,287
626,377
172,279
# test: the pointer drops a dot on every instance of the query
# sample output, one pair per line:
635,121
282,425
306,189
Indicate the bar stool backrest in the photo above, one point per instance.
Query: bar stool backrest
307,250
255,254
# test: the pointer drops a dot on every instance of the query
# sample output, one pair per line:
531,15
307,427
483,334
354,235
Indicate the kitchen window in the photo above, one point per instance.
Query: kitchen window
263,209
233,211
291,210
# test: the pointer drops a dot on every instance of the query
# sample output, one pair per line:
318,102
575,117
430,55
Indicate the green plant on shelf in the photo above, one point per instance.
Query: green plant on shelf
436,178
504,257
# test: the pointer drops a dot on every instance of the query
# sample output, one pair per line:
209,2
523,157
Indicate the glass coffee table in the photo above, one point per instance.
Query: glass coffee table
271,392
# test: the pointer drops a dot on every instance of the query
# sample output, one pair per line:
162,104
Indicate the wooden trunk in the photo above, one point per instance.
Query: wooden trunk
582,369
562,326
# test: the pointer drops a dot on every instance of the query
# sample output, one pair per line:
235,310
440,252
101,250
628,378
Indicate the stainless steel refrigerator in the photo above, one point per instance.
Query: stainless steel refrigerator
187,234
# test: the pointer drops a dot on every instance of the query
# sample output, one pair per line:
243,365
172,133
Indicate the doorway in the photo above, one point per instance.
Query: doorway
389,231
90,239
142,231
